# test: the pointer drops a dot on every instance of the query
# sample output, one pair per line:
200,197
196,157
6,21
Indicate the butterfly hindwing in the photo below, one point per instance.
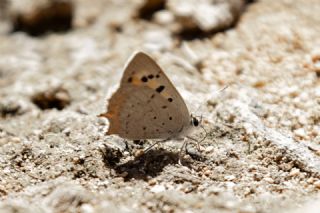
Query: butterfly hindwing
147,105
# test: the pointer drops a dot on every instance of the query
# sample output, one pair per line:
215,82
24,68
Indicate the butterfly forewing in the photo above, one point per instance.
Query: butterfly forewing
147,105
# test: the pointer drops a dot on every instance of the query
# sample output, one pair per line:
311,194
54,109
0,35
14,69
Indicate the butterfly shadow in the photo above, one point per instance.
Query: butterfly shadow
143,167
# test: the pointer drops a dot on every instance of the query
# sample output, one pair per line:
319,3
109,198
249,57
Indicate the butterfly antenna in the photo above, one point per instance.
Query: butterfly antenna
223,88
220,90
216,92
205,136
206,133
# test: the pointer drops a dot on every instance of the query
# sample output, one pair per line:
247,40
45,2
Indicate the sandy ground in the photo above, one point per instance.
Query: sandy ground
262,150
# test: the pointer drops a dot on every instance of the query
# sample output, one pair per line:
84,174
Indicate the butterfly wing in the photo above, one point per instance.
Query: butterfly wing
147,105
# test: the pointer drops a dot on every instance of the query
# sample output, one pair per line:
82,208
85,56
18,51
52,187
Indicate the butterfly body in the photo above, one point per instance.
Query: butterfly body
147,105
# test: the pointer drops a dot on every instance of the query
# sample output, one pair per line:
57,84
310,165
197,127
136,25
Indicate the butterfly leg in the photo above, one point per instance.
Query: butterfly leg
126,143
184,145
195,140
157,142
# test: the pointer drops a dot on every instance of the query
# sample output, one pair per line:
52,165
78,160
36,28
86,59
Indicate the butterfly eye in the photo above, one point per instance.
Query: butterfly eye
195,121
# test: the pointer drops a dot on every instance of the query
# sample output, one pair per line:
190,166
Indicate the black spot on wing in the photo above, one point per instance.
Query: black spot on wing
160,89
150,76
144,79
170,99
130,79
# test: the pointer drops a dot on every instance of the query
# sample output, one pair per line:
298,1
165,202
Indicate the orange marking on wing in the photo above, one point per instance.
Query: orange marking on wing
136,80
113,113
109,115
152,84
165,95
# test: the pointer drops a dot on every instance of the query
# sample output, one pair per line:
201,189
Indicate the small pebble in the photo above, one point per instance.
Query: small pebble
294,172
87,208
209,149
123,174
248,128
252,168
317,184
152,182
301,133
207,172
247,191
315,56
15,140
164,17
229,177
126,153
139,153
157,188
268,180
310,180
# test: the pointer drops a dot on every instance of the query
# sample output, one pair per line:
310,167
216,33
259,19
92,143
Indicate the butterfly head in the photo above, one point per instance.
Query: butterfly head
195,120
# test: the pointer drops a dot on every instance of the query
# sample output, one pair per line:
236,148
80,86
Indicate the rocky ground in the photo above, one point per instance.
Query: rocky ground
60,61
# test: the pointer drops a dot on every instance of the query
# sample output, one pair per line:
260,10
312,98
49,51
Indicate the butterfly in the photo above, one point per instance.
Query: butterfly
147,105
